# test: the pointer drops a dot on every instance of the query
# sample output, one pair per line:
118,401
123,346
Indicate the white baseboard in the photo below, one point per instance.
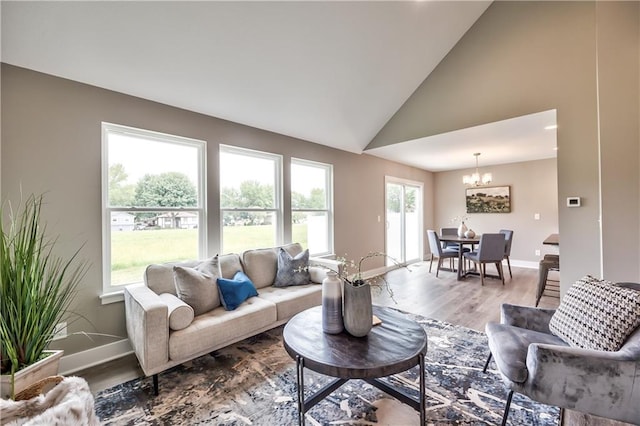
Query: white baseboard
524,264
95,356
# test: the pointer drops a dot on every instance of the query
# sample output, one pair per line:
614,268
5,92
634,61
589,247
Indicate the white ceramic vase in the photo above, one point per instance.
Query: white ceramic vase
462,229
332,304
470,233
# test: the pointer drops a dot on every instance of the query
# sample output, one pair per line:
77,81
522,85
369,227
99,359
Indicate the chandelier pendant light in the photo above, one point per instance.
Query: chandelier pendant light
475,179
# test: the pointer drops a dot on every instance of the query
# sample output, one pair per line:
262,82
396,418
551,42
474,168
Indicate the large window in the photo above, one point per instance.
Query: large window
250,199
311,205
153,191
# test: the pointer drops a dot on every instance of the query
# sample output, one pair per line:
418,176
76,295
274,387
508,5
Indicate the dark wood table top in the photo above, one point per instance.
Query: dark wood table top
456,239
389,348
553,240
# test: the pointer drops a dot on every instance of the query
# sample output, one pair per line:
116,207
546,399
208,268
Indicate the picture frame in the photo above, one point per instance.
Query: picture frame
493,199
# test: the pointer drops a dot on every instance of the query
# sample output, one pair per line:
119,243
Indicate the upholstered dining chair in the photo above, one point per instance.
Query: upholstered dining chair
438,252
508,237
579,357
449,231
490,250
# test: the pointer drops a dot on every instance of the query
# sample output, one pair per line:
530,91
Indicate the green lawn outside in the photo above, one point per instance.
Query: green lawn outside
132,251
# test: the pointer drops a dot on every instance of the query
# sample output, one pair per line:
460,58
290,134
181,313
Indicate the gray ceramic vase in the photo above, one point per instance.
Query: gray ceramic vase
357,312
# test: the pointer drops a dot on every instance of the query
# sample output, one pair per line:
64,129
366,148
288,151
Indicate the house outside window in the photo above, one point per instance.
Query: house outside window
312,205
250,199
153,192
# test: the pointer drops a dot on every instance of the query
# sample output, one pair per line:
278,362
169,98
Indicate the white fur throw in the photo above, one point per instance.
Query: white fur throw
70,402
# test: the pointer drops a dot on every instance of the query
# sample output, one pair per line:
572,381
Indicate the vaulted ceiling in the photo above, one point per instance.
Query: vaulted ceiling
332,73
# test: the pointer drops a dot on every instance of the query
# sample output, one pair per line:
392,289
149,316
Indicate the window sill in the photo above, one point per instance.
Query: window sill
113,297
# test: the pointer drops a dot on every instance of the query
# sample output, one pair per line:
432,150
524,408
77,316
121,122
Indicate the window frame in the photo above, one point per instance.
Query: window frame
112,293
278,191
329,200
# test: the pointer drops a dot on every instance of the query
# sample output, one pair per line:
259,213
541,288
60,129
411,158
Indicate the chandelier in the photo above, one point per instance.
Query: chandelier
475,179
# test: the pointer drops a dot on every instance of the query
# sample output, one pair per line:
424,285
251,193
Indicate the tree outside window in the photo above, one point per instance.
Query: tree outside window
154,202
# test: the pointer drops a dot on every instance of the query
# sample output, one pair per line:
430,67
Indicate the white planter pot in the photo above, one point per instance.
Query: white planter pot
29,375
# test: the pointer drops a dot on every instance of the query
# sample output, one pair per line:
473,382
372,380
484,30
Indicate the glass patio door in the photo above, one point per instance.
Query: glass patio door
403,200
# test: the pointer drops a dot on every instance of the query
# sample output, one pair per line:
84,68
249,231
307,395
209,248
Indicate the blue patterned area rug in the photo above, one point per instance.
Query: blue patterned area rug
253,382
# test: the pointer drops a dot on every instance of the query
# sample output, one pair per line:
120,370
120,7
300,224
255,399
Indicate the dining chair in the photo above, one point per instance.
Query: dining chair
490,250
449,231
438,252
508,236
450,245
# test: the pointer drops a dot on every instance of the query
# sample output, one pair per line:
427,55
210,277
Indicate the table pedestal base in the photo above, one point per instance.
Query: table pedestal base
305,405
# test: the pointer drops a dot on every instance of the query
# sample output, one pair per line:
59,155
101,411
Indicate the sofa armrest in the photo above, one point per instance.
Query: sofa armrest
147,320
536,319
329,264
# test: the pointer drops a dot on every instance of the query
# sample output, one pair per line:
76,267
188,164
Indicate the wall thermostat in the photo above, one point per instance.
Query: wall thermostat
573,201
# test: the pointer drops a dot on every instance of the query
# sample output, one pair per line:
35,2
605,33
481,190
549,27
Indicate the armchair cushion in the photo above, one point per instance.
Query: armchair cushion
509,346
292,270
595,314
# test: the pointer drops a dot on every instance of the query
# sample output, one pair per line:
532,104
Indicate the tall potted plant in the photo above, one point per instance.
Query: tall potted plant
36,289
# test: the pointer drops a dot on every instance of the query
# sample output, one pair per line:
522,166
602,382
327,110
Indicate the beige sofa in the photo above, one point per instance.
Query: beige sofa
150,307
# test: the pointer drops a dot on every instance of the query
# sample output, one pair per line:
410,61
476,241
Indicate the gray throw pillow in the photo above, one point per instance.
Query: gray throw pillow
292,270
596,314
198,286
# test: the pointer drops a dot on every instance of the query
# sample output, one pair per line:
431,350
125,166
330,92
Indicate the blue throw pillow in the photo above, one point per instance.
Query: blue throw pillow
234,292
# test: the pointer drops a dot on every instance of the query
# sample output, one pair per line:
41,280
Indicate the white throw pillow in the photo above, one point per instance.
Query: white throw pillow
596,314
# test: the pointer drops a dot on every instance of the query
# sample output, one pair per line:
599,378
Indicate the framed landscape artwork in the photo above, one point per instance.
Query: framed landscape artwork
496,199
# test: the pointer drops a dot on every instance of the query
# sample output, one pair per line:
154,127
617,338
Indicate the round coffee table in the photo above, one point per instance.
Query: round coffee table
392,347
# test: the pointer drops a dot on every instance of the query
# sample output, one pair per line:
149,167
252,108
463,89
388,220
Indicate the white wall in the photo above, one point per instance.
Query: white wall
534,189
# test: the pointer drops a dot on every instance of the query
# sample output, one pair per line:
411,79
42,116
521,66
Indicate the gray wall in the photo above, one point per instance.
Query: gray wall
619,110
533,190
525,57
51,143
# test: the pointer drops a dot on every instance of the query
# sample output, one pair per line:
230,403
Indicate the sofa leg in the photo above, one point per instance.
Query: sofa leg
486,364
506,408
155,384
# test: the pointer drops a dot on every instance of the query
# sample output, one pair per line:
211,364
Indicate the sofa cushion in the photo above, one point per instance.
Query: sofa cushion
260,265
292,300
235,291
292,270
229,264
218,328
197,286
509,346
180,313
159,277
595,314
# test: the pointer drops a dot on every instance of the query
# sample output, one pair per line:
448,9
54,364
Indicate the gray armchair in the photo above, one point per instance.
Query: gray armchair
540,365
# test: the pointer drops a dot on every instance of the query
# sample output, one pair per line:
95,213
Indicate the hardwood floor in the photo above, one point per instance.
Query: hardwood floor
465,302
415,290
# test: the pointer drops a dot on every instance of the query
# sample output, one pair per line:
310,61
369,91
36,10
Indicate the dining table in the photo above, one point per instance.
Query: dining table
461,241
